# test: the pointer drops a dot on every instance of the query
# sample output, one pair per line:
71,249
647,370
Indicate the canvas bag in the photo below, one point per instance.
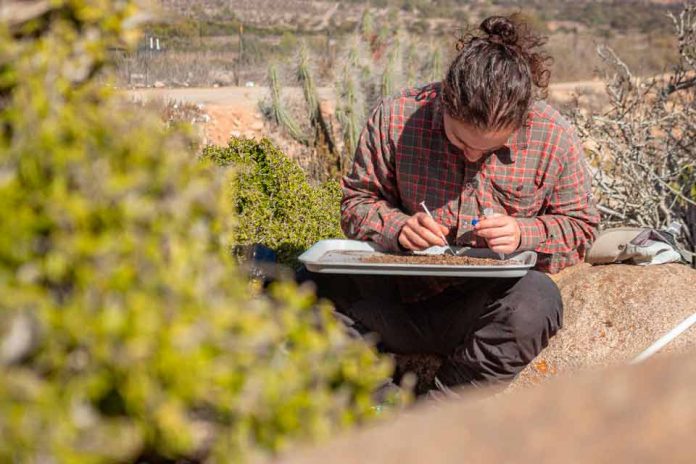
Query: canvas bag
641,246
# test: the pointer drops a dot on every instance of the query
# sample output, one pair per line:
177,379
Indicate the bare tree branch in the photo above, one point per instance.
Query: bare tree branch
644,143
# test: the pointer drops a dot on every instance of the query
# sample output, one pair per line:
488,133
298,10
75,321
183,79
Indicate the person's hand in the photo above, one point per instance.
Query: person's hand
502,233
421,231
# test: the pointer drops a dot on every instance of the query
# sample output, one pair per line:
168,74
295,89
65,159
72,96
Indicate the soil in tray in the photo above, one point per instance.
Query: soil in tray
434,259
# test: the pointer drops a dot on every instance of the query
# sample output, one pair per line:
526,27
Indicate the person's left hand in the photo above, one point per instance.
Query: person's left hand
502,233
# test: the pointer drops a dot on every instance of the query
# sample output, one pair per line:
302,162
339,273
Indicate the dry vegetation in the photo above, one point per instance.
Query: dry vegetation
208,42
642,148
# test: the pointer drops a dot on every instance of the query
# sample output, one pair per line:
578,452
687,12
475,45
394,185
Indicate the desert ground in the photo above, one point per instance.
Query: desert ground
234,111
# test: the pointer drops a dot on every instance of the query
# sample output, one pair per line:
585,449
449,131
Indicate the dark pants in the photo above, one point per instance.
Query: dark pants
486,330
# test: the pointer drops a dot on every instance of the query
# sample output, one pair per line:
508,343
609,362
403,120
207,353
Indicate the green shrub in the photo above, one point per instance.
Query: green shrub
126,332
274,202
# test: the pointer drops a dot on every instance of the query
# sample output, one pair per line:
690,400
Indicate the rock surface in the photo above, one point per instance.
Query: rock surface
630,414
617,414
612,313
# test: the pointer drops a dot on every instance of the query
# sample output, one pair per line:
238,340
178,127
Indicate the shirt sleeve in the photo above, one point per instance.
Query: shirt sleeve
563,233
370,206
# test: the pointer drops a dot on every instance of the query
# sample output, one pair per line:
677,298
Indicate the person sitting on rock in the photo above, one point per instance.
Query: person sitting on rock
480,139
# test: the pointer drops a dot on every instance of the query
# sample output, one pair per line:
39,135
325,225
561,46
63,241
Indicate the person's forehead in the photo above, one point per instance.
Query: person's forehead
476,138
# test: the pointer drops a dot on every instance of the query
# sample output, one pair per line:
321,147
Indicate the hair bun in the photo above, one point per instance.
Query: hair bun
500,29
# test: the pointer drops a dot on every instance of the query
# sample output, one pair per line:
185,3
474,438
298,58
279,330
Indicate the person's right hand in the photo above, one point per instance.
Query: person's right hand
420,232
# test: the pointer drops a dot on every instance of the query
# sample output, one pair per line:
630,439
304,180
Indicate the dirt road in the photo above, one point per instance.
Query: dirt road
246,98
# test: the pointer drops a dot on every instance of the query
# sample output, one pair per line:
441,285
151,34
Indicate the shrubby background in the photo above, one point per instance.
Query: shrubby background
127,332
276,205
230,42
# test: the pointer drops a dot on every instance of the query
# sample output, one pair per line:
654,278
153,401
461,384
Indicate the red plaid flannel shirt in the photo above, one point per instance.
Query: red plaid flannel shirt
404,157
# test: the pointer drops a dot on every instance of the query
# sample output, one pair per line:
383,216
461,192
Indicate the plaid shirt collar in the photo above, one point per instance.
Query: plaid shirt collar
520,137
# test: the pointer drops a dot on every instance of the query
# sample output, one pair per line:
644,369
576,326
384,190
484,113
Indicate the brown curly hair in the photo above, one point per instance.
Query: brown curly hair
497,74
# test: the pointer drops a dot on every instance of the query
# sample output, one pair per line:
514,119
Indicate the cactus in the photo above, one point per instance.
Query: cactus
323,139
392,69
367,26
279,113
350,110
383,39
378,59
436,73
411,64
306,80
387,86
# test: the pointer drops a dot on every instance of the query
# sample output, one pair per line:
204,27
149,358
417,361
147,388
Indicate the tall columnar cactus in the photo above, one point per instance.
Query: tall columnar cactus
377,61
323,138
411,64
280,114
393,69
306,80
367,26
436,70
382,40
388,75
350,113
347,111
351,109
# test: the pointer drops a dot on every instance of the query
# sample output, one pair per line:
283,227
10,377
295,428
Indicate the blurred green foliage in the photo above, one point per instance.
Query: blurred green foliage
274,202
126,332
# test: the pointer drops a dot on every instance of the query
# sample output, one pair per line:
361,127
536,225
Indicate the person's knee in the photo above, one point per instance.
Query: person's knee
536,308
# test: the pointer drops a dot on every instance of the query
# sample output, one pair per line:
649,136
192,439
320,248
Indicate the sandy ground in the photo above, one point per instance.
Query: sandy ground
234,111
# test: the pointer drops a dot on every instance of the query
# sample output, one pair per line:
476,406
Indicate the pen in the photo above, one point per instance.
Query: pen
489,213
442,236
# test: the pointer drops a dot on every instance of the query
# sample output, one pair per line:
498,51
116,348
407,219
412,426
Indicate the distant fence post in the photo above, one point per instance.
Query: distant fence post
152,46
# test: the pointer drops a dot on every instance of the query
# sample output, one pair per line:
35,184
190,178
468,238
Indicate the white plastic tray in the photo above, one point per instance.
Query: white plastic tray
345,257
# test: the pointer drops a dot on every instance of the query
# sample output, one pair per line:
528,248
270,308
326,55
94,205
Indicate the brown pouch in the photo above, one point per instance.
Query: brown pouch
611,245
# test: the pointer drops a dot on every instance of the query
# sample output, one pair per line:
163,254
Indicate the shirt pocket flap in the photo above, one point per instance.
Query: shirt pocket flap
517,197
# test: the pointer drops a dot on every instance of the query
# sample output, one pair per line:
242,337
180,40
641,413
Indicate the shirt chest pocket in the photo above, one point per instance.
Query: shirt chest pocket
518,198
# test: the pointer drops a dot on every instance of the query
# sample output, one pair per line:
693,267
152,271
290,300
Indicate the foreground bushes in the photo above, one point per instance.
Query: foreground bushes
275,204
125,331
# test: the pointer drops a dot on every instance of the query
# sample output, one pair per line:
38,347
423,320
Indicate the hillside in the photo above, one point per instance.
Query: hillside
231,42
317,15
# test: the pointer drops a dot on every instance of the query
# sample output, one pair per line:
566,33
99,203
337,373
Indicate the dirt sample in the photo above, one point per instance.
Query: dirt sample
434,259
